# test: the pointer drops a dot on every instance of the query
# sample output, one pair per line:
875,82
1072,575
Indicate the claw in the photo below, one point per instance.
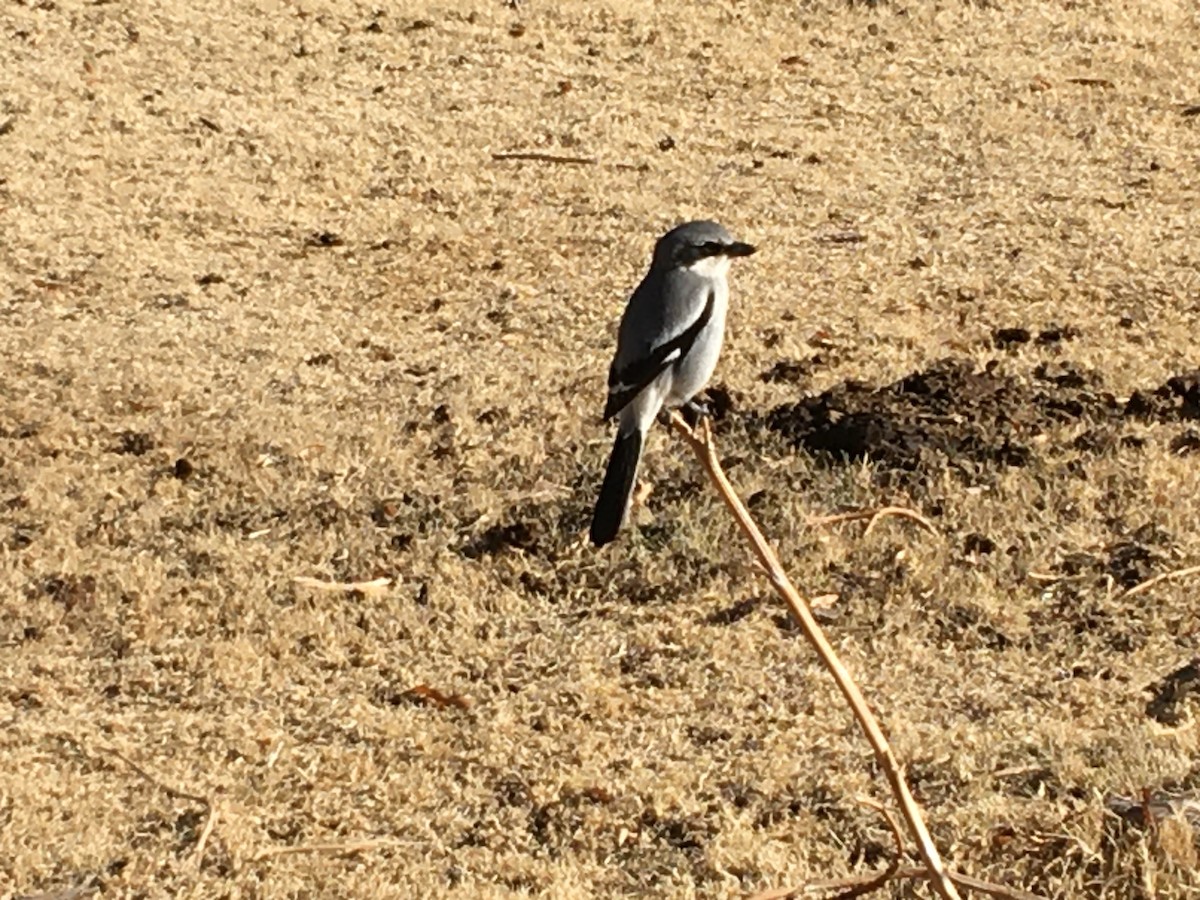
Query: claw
695,410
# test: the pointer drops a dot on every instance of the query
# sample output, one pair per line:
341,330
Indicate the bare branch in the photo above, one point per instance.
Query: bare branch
854,882
157,782
210,823
704,448
340,848
874,515
209,807
534,156
86,888
366,587
1159,579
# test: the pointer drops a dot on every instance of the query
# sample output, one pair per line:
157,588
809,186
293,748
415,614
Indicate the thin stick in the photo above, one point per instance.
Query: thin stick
157,782
909,874
874,515
892,824
360,846
902,513
706,452
983,887
198,853
85,888
881,878
209,806
534,156
853,515
161,785
365,587
1159,579
1047,577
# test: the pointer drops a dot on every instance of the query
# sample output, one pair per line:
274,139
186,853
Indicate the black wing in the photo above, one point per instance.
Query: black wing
628,382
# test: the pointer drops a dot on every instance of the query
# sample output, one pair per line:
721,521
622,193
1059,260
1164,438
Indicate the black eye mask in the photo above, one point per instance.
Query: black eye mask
693,253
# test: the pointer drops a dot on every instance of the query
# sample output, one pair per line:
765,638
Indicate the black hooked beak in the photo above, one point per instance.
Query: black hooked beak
737,248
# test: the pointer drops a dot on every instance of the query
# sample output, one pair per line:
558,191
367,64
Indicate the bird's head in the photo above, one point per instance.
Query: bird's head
706,248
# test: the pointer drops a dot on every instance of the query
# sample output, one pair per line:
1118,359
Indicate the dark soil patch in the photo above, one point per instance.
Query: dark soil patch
1186,443
1175,401
950,414
1172,692
954,414
1004,338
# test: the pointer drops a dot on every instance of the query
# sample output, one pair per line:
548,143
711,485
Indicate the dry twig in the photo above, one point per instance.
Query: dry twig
534,156
210,808
209,824
377,584
940,879
881,878
84,889
874,515
897,835
157,782
706,452
901,512
1159,579
1046,577
855,882
334,847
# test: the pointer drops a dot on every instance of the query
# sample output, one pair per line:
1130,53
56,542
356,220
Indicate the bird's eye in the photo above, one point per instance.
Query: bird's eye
695,252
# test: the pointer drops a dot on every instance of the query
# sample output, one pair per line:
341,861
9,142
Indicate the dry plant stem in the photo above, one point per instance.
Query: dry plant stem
1159,579
908,874
861,885
1048,577
706,452
316,584
336,847
209,807
198,853
534,156
902,513
897,835
874,515
893,866
157,782
86,889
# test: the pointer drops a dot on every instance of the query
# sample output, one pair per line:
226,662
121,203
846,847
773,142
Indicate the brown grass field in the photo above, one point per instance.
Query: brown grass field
270,309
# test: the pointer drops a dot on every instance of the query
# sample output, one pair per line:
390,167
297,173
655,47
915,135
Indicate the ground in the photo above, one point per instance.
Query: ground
275,306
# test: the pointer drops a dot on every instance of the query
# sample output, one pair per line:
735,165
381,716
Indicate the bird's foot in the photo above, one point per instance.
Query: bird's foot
695,410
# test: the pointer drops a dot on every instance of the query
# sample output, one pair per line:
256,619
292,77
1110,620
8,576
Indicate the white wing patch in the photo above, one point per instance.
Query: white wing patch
621,386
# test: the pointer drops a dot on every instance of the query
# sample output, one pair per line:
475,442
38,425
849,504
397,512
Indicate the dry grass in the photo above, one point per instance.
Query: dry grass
272,310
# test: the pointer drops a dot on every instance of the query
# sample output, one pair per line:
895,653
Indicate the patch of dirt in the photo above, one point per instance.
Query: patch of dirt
1186,443
1176,400
792,371
1173,692
1127,562
1051,334
958,415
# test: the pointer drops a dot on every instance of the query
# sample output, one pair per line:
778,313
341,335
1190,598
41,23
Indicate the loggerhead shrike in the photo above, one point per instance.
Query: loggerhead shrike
667,347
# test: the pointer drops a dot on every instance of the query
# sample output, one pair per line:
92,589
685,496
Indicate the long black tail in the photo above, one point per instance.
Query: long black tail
618,485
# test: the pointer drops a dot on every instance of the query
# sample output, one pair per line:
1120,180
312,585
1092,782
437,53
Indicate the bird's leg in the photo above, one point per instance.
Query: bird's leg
695,410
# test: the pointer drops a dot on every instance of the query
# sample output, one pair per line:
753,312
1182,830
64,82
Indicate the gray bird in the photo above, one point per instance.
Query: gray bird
667,347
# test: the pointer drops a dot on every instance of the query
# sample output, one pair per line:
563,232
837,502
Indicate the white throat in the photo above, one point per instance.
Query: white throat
711,266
